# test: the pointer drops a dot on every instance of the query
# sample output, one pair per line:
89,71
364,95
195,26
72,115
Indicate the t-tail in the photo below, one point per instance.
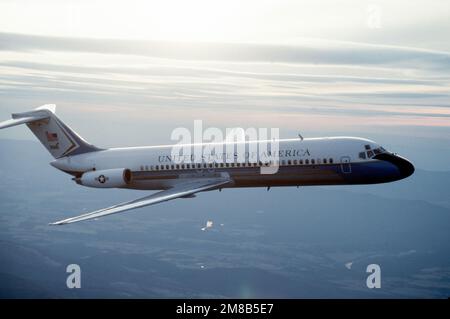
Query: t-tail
59,139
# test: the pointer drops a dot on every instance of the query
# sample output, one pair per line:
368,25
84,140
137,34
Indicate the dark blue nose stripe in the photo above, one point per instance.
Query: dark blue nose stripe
405,167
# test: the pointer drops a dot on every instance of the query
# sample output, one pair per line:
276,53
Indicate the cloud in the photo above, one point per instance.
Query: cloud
334,52
211,72
315,86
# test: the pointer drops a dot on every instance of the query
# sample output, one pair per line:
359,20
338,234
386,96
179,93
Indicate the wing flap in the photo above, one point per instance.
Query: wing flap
183,189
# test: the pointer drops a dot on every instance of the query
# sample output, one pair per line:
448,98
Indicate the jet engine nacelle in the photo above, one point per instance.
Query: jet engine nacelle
107,178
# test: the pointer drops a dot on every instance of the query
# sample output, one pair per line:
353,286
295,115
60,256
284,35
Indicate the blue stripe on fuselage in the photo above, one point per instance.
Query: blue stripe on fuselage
371,172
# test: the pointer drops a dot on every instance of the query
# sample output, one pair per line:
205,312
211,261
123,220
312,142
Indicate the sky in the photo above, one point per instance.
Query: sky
128,73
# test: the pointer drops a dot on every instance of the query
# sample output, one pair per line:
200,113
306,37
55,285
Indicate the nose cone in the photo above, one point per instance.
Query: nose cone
405,167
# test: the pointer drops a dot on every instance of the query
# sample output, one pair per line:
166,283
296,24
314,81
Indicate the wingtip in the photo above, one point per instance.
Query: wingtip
57,223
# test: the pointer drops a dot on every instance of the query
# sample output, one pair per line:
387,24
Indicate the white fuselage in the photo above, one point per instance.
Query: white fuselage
314,161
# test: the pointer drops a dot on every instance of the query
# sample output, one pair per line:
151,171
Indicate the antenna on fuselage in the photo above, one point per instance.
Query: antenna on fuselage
300,136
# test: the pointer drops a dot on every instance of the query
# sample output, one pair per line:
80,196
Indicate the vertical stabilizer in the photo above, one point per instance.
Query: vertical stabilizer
59,139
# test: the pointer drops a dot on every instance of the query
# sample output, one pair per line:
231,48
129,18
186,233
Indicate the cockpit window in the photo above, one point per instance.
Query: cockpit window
369,153
379,150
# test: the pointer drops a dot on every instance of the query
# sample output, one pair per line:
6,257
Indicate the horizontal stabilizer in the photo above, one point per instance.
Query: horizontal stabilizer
23,120
40,113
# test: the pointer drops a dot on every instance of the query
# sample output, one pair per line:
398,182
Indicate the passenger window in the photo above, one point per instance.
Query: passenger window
331,161
167,167
301,162
307,161
313,161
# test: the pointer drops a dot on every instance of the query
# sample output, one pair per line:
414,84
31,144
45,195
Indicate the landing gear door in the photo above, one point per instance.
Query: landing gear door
346,167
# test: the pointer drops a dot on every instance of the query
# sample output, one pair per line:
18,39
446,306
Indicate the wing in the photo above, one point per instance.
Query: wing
184,189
